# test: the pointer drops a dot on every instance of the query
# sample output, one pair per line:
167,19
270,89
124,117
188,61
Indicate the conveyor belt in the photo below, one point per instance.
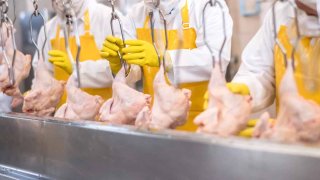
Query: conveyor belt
86,150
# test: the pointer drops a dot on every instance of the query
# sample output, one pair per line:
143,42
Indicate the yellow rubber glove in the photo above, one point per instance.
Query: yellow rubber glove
140,53
61,59
25,93
248,132
235,88
238,88
206,100
110,49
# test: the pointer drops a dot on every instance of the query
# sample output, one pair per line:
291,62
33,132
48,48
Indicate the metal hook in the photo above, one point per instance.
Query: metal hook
275,32
14,12
156,4
5,20
37,13
6,59
212,4
152,35
4,6
10,31
166,37
115,17
71,21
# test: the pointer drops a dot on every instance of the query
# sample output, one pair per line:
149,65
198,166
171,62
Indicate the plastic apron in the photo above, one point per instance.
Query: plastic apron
89,51
189,42
303,58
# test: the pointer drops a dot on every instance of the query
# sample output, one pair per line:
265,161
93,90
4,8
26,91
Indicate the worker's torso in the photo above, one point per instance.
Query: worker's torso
89,51
188,38
307,64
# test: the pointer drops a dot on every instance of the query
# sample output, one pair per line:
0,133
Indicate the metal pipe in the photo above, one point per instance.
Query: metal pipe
37,13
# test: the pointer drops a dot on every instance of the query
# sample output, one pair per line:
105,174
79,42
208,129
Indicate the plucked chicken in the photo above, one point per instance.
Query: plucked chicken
227,113
298,119
45,93
80,105
21,68
125,103
170,108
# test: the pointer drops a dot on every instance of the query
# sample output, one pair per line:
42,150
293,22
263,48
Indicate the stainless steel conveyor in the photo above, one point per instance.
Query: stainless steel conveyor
36,148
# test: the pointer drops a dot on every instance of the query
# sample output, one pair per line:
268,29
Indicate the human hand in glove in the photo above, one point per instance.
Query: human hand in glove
239,88
110,49
60,59
140,53
251,126
236,88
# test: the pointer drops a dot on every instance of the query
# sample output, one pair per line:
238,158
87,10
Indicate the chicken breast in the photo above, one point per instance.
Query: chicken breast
125,103
227,113
170,108
80,105
298,119
45,93
22,68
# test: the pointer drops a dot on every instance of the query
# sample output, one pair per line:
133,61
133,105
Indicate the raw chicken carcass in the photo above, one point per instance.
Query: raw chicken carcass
21,68
227,113
80,105
125,103
298,119
170,108
45,94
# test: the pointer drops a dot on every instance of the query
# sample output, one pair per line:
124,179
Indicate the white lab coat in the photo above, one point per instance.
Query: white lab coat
5,103
94,74
257,70
191,65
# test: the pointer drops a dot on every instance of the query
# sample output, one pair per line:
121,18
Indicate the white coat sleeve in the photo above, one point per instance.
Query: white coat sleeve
257,68
95,74
196,65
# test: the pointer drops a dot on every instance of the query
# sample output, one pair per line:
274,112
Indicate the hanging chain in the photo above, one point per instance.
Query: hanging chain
4,6
36,7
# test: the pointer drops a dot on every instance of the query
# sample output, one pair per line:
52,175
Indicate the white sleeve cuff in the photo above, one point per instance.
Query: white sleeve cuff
95,74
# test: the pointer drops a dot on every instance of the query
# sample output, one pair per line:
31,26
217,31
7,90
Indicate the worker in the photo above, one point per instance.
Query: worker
191,61
93,21
263,65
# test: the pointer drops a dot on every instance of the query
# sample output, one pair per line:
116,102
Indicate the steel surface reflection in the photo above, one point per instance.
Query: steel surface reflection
92,150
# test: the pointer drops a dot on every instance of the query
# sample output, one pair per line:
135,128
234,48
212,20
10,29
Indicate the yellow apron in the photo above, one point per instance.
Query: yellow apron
305,50
89,51
189,42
